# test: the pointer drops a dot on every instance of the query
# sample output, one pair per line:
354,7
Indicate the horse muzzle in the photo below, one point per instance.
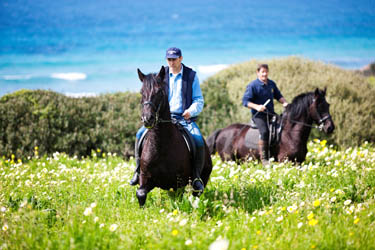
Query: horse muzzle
328,126
148,122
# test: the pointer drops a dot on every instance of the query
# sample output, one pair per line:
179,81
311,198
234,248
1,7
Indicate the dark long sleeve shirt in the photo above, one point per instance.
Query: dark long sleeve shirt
258,92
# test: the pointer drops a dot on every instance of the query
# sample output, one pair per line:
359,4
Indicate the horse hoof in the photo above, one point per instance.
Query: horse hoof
141,195
198,187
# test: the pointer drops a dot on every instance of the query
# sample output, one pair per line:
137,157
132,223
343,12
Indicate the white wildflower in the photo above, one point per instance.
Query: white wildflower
113,227
278,219
347,202
183,222
219,244
88,211
292,208
188,242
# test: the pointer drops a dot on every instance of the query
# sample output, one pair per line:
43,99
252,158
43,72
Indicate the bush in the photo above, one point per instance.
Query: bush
350,95
76,126
57,123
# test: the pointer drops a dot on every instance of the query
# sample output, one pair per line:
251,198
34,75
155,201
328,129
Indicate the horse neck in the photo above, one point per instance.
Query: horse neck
297,131
163,130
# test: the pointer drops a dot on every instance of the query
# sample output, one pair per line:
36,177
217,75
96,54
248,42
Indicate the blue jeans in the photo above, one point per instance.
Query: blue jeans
189,125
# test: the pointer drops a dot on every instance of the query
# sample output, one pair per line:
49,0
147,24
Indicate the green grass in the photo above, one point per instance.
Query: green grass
371,80
62,202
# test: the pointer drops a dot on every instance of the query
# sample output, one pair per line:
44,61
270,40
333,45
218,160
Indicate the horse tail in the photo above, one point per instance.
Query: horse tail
211,141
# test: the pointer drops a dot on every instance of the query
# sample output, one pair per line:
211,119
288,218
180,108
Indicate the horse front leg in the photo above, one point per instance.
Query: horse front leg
141,195
143,190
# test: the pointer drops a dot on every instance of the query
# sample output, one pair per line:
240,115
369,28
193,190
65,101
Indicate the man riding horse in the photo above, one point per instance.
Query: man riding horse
259,97
186,102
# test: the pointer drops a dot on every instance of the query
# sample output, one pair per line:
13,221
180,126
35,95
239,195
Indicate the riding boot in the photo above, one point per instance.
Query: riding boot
135,180
197,184
263,152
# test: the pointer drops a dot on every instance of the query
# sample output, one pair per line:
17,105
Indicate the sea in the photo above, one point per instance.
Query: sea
87,48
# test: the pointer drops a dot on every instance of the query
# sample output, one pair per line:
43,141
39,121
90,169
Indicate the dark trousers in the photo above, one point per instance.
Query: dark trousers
262,121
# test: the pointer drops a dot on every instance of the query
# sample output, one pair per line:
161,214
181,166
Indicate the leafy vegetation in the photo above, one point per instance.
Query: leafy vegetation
57,123
76,126
68,202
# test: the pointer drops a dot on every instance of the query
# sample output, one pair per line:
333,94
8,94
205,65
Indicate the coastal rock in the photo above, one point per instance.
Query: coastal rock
368,70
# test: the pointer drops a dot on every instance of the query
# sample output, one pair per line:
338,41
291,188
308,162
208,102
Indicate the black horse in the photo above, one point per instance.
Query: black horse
239,141
165,160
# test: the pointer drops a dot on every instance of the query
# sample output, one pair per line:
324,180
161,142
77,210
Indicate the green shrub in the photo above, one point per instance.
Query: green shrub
54,122
57,123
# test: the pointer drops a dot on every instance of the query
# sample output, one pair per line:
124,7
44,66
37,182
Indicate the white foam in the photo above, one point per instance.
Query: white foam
70,76
211,69
16,77
79,95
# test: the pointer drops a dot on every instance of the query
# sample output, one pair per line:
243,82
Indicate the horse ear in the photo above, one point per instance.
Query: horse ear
161,73
140,75
325,90
316,93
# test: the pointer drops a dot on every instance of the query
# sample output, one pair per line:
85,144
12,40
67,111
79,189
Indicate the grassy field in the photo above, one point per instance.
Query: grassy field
62,202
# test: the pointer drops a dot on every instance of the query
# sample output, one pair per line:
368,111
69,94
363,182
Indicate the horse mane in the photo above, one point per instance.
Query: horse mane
299,106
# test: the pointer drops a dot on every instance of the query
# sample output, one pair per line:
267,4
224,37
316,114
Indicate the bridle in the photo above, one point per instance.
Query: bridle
321,119
157,113
320,122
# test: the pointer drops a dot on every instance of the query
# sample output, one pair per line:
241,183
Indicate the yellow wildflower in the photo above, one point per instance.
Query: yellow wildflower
310,216
316,203
356,221
313,222
174,232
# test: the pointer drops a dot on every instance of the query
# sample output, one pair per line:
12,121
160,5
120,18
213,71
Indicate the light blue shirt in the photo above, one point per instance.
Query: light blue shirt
175,95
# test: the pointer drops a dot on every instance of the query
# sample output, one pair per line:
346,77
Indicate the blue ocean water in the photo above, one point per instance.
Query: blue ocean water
90,47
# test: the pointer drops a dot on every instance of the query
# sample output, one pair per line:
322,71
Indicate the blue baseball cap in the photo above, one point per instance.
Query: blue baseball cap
173,53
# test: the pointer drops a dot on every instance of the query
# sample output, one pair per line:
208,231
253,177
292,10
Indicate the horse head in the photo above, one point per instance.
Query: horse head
154,98
320,111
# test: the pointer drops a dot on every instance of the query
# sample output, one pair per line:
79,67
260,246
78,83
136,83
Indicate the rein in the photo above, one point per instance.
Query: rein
320,122
157,119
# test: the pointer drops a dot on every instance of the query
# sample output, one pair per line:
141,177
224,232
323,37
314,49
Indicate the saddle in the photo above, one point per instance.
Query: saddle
274,127
188,138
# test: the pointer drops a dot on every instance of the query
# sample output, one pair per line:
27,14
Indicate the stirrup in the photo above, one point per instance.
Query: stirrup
198,191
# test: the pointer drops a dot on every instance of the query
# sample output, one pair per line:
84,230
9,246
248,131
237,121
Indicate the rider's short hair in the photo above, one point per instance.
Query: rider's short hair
262,65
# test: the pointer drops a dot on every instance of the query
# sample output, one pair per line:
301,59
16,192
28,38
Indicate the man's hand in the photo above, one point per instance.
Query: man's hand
186,115
261,108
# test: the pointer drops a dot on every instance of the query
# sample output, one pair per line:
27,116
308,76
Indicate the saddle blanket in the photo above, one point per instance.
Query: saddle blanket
252,138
